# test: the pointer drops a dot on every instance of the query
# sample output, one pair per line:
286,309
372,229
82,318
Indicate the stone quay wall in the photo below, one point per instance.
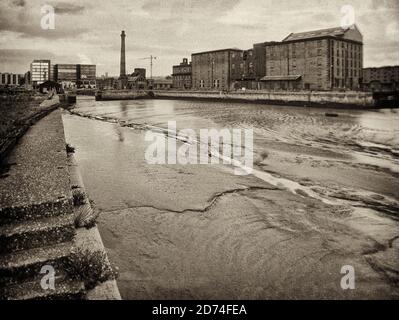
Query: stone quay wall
301,98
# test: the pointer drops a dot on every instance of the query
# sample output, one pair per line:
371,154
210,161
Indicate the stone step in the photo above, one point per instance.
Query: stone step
36,184
64,289
32,234
26,264
61,206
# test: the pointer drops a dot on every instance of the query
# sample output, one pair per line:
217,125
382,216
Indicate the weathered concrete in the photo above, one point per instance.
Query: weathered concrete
65,290
37,221
307,98
21,125
90,239
25,265
32,234
121,94
37,182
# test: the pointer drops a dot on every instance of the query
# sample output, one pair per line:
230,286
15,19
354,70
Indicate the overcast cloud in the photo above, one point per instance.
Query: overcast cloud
88,31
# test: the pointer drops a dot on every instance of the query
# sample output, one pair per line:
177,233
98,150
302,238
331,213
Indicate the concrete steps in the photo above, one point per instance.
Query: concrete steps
36,184
64,289
24,265
62,206
37,215
37,221
32,234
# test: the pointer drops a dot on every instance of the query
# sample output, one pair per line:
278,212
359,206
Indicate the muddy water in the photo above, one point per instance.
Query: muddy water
324,193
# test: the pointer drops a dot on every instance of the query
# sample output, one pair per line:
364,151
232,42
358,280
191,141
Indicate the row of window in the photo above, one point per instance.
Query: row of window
185,77
10,78
215,84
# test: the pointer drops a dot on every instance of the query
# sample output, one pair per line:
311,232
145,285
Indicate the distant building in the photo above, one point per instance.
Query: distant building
52,72
216,69
182,75
160,83
76,75
246,78
11,79
137,79
328,59
27,80
381,79
86,76
40,72
107,83
66,75
140,72
48,86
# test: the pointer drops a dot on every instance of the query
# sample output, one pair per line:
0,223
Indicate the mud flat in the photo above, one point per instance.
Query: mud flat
201,232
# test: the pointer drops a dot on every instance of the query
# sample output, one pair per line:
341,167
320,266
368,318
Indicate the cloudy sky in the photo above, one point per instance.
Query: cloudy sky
88,31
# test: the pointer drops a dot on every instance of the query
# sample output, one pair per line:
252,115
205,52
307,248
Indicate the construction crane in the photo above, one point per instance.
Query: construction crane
151,58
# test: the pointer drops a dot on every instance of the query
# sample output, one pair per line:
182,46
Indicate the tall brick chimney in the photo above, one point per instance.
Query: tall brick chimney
123,58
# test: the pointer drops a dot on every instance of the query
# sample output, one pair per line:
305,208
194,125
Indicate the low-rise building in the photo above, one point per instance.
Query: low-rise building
182,75
107,83
381,79
10,79
137,79
160,83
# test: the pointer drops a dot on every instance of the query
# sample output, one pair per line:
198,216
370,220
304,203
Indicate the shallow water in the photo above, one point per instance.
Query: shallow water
174,232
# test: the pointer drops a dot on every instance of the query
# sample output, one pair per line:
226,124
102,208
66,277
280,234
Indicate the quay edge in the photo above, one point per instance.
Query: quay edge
355,100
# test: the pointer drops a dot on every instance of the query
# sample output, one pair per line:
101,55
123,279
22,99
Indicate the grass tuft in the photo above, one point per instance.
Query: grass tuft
69,148
90,267
79,197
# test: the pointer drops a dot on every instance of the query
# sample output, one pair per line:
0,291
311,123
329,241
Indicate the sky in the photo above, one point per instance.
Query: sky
88,31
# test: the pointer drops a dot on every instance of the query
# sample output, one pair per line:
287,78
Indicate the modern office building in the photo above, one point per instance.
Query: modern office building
40,71
66,75
86,75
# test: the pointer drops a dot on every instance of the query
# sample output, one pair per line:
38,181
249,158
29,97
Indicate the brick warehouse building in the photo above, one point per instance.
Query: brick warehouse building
182,75
328,59
381,79
216,69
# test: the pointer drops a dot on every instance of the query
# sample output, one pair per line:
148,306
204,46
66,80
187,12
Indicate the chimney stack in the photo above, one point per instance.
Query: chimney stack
123,58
